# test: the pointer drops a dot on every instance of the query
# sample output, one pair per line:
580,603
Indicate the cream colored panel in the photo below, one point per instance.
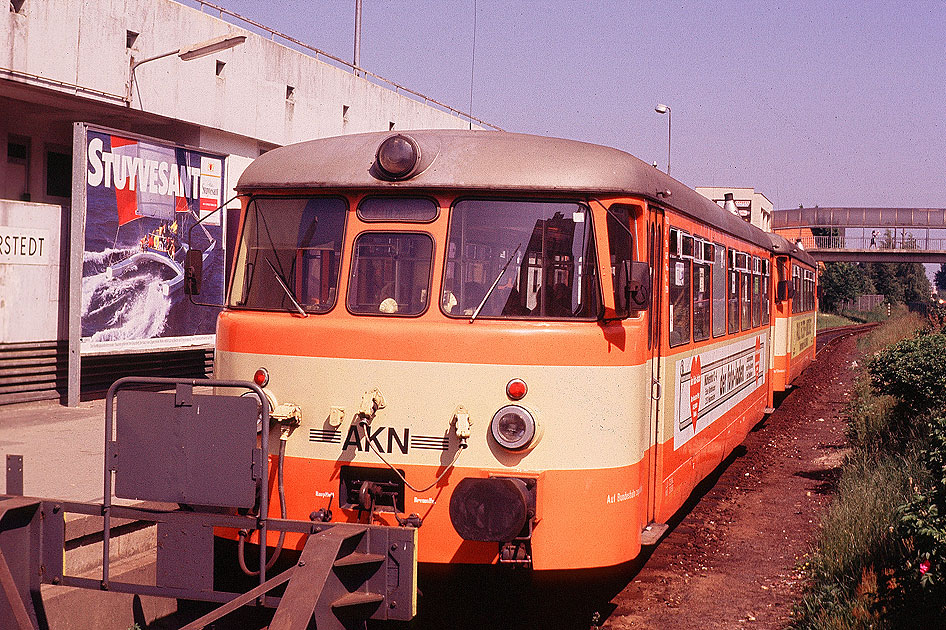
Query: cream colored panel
712,382
588,417
780,339
803,333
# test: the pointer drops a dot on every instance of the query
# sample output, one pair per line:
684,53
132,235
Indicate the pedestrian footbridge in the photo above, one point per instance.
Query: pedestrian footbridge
866,234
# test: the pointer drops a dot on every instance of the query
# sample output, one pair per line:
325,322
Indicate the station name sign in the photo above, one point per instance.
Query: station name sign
23,246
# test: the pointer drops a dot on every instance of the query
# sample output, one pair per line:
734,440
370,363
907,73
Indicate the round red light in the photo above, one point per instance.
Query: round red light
261,378
516,389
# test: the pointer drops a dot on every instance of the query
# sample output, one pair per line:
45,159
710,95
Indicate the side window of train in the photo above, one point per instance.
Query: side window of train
733,293
719,291
390,273
681,253
756,292
809,290
702,288
745,312
796,285
745,277
766,297
621,248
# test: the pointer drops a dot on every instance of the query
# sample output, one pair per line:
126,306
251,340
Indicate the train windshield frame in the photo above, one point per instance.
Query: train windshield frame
521,259
290,254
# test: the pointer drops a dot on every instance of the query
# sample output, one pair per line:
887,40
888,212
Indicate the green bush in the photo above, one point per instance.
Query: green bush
921,576
913,372
869,419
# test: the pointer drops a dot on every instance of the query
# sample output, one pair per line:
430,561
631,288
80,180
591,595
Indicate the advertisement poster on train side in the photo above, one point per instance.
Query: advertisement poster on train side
713,382
803,335
144,204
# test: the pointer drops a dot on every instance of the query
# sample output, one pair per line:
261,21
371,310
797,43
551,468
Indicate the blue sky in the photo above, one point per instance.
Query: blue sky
827,103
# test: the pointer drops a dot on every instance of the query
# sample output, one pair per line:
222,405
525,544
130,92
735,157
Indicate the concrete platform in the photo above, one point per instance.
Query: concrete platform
62,448
63,457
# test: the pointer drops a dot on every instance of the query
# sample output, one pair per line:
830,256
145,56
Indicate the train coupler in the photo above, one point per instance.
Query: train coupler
517,553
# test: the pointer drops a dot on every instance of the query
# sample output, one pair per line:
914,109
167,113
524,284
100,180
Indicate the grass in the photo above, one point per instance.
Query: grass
829,320
850,566
903,325
855,543
848,318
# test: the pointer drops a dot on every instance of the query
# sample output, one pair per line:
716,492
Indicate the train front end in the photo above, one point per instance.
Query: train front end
443,351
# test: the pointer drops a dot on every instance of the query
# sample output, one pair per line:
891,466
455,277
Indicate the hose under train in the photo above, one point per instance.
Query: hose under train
282,512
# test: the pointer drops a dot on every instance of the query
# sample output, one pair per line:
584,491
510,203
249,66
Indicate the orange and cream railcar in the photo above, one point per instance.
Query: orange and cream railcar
795,313
534,347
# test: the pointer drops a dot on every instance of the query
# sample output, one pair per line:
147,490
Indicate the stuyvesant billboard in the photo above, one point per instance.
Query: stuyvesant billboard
143,200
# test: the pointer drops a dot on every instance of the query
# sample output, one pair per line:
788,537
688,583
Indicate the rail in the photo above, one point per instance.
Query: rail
900,238
828,337
317,53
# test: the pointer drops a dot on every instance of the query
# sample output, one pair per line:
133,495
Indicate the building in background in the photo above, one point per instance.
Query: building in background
753,206
76,97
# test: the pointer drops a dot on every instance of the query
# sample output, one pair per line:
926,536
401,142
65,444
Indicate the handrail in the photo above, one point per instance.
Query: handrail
907,239
397,88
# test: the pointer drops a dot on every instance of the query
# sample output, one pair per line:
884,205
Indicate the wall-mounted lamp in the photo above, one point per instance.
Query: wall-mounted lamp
188,53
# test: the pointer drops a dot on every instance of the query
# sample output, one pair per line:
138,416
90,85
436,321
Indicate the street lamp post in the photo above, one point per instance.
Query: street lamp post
187,53
664,109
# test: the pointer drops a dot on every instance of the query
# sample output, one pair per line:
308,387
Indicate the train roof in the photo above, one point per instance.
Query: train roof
781,245
479,160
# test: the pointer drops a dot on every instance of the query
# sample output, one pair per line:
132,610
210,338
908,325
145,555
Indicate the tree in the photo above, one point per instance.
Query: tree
884,277
900,282
842,282
916,285
941,277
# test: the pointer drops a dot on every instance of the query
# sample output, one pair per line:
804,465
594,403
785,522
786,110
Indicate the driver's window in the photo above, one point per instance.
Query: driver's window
621,245
390,273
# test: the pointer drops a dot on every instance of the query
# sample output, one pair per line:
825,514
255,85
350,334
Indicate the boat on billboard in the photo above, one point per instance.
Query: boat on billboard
146,204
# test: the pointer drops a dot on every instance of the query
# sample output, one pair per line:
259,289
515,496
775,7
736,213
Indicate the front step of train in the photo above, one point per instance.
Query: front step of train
346,562
346,574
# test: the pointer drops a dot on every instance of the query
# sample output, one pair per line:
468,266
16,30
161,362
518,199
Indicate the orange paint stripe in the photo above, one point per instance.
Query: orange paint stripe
434,338
682,469
586,518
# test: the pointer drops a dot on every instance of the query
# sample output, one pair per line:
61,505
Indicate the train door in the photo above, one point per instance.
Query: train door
655,254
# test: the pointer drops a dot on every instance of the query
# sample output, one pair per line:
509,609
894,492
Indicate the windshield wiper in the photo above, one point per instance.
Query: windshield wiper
495,282
285,287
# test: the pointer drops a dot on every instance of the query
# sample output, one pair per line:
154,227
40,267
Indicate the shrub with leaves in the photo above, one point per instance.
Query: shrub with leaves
913,372
922,528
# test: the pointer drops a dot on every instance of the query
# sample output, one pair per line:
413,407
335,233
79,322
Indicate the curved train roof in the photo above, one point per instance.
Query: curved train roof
496,161
781,245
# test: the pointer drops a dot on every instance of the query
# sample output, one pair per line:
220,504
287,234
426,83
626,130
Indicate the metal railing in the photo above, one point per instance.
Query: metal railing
907,239
345,65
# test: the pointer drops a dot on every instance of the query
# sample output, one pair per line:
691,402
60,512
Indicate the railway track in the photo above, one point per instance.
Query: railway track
829,336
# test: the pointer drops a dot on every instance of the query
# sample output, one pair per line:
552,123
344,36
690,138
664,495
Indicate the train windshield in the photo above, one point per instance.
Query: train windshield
520,259
289,255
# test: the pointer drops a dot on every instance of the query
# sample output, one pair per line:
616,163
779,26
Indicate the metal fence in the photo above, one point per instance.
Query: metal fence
898,238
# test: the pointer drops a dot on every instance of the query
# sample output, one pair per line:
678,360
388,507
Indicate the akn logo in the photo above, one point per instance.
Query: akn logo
374,438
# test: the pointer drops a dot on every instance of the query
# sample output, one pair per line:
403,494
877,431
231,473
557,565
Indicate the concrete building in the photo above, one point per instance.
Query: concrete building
753,206
64,62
